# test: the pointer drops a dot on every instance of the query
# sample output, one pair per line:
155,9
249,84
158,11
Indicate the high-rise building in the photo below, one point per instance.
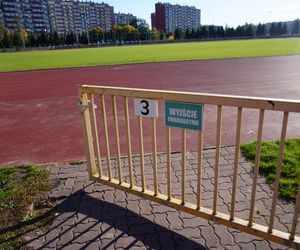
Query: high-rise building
168,17
1,13
67,15
122,18
31,15
62,16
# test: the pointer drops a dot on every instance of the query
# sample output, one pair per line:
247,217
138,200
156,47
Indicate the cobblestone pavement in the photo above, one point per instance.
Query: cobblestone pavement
94,216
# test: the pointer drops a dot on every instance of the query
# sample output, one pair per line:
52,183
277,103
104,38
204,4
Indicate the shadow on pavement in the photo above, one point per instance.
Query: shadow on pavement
93,223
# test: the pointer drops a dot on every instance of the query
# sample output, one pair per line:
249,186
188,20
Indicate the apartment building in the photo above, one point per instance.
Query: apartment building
66,16
29,14
62,16
1,13
168,17
123,18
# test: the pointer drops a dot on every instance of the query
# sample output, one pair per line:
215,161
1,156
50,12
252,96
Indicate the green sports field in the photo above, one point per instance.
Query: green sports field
30,60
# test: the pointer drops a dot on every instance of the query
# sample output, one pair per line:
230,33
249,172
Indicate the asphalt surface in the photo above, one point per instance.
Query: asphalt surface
40,121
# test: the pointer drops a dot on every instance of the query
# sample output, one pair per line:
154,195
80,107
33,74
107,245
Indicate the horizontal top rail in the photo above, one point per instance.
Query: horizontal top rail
203,98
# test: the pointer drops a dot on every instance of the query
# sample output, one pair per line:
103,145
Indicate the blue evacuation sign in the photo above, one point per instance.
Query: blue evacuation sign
184,115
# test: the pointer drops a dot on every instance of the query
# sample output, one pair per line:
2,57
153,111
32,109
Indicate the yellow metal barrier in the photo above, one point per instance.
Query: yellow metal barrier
88,111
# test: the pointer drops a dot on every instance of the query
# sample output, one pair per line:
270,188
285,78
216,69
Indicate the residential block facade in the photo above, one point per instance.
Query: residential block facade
29,14
168,17
123,18
66,16
62,16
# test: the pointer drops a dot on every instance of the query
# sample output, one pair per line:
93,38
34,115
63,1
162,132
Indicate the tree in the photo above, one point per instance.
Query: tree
7,40
133,23
220,32
296,27
229,32
70,38
55,37
83,39
178,34
187,34
284,29
273,29
32,40
155,34
248,30
143,28
2,34
162,35
96,34
42,38
129,32
211,31
261,29
203,32
193,34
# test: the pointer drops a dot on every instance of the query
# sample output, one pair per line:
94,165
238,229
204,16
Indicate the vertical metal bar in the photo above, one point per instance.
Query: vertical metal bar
106,136
183,166
115,113
199,178
278,170
256,164
169,161
296,214
154,156
217,159
87,133
95,128
128,141
236,160
140,118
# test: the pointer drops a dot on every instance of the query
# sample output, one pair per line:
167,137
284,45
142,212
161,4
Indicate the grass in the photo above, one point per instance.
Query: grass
290,175
21,202
18,61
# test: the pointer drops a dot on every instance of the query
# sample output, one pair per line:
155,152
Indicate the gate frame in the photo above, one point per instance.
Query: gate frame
240,102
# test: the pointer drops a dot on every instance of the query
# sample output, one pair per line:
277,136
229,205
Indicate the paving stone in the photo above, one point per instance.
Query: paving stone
142,229
74,246
194,222
94,245
66,236
244,238
189,244
85,237
133,206
120,196
152,225
190,232
162,209
226,238
247,246
161,219
145,207
261,244
125,242
211,240
174,221
90,226
151,241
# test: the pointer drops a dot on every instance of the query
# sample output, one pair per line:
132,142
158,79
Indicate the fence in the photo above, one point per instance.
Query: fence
95,160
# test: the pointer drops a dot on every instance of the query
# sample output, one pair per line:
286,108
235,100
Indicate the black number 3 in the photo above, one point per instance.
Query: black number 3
145,107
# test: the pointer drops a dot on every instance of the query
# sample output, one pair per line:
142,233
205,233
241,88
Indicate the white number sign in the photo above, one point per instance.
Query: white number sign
145,107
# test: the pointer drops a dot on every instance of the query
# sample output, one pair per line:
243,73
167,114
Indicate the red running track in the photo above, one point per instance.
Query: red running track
40,122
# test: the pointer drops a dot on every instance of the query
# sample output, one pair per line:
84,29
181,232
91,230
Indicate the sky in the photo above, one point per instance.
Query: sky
221,12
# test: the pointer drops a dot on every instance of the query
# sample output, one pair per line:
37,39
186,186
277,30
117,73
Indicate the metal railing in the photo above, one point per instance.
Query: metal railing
94,160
